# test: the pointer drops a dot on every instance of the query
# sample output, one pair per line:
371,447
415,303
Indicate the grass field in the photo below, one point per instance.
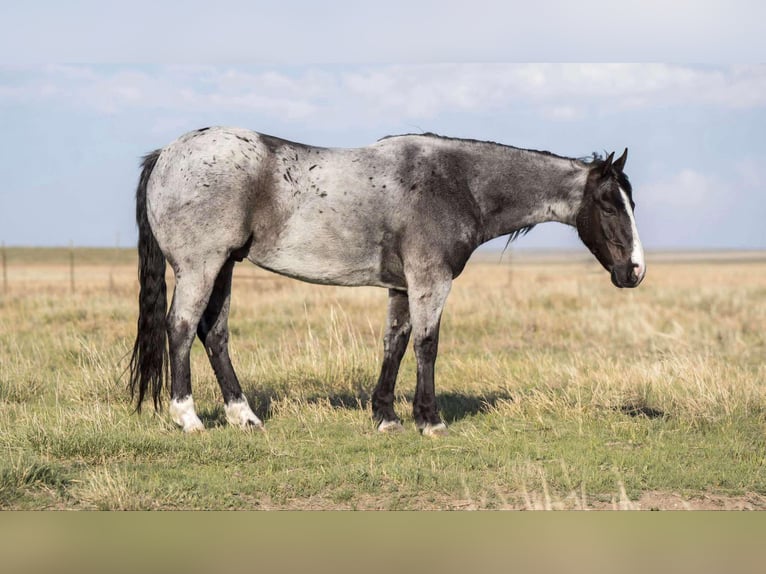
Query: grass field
560,391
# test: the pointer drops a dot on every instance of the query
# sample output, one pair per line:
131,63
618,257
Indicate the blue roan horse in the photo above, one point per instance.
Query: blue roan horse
404,213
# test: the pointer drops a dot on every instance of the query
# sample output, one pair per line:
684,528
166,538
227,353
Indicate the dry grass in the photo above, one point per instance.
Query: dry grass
560,391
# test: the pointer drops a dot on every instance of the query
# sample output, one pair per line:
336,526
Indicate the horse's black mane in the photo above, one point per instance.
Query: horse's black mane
625,184
587,159
514,235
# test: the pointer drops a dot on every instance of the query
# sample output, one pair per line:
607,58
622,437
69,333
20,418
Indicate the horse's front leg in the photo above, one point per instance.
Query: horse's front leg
427,296
398,328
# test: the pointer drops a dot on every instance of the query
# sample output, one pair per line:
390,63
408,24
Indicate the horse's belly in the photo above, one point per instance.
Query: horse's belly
330,261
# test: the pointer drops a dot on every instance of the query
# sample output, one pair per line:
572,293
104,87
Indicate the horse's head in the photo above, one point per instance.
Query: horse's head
605,221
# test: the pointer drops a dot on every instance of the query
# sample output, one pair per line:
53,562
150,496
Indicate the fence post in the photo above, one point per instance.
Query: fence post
71,266
5,271
112,286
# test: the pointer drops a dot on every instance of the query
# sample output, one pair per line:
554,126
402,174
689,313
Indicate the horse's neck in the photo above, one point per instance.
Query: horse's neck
520,188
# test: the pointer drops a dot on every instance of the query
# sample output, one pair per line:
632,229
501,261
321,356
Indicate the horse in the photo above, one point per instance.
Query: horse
404,213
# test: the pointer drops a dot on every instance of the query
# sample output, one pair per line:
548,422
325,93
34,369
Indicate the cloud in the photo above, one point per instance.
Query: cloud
695,208
396,30
564,112
363,95
750,172
687,189
183,89
558,90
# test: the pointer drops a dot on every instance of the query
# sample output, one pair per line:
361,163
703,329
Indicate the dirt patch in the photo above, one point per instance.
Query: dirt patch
673,501
653,500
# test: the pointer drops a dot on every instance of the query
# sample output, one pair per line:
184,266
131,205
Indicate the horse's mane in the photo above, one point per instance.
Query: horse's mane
486,142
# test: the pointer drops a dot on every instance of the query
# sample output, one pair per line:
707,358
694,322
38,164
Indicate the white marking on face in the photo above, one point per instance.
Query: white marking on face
239,413
183,414
637,252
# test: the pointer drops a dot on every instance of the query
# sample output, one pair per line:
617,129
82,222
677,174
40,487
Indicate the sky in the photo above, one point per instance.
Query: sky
85,92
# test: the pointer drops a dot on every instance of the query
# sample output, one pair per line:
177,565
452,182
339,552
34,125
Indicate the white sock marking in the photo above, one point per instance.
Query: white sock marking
239,413
183,414
435,430
390,426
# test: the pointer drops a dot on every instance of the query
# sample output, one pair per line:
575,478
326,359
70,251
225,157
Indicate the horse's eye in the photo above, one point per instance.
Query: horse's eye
609,210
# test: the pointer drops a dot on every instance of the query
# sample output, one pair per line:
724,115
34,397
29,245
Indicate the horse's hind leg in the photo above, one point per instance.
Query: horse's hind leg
398,328
190,298
213,331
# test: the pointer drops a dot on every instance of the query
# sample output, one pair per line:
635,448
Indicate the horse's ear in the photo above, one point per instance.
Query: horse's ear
606,167
619,164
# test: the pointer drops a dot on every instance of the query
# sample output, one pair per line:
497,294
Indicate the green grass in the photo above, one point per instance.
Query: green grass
559,390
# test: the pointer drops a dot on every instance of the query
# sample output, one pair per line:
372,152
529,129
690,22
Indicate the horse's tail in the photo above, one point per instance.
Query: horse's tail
149,362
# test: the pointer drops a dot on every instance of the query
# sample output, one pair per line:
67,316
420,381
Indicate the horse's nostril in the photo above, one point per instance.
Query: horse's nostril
638,270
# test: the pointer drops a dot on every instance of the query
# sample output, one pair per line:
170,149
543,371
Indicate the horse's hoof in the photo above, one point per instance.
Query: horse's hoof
239,414
182,413
255,426
194,427
390,426
439,429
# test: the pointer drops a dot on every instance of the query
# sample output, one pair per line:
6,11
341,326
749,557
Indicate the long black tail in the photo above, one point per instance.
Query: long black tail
149,362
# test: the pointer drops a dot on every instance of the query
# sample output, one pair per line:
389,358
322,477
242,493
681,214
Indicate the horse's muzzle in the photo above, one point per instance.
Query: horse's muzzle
624,275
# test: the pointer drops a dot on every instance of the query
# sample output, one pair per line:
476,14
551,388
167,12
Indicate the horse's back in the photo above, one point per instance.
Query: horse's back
339,216
318,214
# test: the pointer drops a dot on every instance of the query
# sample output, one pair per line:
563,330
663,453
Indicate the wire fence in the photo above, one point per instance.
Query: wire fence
65,270
83,271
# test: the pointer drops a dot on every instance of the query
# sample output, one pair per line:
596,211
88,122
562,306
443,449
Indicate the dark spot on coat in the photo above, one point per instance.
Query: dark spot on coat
312,167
